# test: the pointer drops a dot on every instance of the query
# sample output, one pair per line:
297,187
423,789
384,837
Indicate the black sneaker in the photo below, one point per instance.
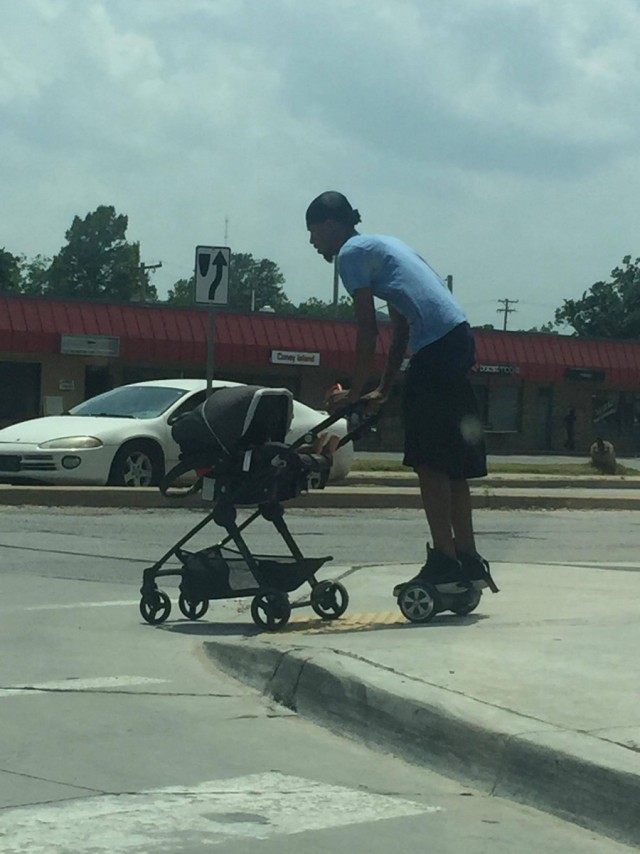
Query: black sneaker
477,570
441,571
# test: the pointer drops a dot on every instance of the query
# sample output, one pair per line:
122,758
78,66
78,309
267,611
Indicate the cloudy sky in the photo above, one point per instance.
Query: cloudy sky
499,137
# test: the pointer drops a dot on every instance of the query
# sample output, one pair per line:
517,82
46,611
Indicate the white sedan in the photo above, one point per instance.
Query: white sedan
123,437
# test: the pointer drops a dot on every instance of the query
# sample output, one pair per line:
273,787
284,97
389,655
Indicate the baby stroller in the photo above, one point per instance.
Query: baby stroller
235,441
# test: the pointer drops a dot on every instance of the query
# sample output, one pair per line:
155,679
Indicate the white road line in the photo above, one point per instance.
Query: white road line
73,685
257,806
65,605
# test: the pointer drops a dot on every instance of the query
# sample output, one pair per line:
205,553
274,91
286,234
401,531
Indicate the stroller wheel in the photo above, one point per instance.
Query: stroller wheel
329,599
155,608
193,610
271,611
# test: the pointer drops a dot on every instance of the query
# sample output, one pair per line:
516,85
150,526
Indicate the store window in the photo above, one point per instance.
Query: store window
615,413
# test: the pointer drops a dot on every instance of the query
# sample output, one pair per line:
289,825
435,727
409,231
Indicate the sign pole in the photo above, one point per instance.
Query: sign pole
210,350
212,289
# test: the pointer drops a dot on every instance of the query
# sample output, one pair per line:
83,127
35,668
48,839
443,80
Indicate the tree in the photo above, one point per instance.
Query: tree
35,276
314,307
98,263
10,275
182,293
545,329
19,276
255,284
607,309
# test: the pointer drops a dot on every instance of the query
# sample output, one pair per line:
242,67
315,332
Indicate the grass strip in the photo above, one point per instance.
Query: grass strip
566,469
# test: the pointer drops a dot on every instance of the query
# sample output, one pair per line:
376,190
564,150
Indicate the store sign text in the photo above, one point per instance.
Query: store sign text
293,357
498,369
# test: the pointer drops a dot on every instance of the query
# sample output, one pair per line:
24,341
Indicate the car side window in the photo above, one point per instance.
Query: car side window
187,405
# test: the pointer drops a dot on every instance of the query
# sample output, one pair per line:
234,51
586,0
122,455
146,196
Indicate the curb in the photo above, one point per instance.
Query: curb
573,775
481,498
336,497
93,496
393,479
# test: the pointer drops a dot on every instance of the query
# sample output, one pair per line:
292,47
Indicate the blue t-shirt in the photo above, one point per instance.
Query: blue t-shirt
398,275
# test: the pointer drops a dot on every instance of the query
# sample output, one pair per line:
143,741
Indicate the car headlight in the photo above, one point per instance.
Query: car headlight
71,443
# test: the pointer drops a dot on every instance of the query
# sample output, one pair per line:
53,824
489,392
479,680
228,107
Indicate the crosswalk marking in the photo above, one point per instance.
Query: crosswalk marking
257,806
81,605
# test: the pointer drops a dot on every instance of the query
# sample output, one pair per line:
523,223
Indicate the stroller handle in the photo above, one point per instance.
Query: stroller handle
357,423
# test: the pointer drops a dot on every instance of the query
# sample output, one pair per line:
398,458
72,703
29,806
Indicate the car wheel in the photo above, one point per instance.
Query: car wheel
137,464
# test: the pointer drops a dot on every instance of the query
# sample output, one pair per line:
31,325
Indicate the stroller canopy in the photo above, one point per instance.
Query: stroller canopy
237,417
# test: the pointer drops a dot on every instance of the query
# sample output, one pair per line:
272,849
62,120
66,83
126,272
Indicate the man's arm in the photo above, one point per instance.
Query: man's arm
366,338
397,350
365,348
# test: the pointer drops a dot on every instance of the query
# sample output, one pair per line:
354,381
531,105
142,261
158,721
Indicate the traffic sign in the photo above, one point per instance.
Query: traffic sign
212,274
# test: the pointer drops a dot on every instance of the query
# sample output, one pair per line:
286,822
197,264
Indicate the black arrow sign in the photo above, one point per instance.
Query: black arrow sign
220,263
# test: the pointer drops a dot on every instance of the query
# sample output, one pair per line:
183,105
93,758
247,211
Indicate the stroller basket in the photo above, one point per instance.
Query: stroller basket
221,573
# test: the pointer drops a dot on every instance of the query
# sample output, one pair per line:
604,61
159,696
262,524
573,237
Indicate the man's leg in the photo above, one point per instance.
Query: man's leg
462,516
442,568
437,500
476,567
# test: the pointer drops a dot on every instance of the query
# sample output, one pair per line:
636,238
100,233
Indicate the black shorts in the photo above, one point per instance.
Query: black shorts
443,430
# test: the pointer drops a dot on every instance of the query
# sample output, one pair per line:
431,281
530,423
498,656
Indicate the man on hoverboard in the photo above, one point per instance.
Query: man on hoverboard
444,440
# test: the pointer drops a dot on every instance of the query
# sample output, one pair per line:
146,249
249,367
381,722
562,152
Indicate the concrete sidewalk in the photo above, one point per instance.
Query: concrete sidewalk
534,696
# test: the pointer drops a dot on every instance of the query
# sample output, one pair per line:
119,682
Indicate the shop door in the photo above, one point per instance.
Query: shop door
543,418
20,398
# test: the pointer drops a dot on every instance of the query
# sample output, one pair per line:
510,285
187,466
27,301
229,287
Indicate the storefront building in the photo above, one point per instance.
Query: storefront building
536,392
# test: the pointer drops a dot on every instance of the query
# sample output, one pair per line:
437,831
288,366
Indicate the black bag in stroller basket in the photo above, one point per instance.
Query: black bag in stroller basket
236,442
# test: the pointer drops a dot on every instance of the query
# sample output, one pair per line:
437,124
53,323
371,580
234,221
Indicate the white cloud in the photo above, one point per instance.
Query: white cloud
499,138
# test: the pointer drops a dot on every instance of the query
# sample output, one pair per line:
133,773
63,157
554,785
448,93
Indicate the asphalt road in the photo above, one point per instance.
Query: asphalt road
115,545
121,737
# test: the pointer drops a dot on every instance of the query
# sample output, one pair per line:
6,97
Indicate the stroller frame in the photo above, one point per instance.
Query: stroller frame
207,574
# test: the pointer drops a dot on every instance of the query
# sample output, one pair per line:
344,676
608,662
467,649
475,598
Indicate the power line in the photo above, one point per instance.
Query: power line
506,310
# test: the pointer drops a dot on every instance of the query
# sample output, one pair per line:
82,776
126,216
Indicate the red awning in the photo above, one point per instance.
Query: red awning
160,333
546,358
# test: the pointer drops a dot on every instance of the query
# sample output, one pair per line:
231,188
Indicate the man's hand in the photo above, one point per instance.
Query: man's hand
325,444
373,400
337,400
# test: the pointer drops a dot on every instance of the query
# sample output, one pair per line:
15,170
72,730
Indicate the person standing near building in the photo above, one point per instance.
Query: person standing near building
444,440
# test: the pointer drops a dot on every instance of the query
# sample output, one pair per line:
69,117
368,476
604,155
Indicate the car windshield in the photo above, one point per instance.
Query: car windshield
130,402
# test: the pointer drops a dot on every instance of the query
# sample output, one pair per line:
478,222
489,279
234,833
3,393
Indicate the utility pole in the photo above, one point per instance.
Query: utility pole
506,310
143,270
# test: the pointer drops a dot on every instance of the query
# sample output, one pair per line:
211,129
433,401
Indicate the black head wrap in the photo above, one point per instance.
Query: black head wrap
332,205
